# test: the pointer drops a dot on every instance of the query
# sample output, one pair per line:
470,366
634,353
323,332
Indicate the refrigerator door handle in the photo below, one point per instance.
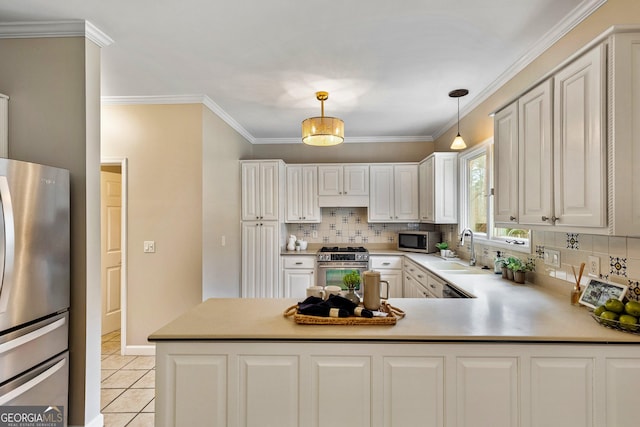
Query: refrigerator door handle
31,336
32,383
7,241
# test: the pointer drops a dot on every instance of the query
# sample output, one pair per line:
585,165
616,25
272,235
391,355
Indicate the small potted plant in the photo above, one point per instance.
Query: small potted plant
520,273
443,246
352,281
513,264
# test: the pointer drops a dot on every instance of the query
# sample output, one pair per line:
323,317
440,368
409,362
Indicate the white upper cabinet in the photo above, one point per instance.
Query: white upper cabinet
580,141
550,163
261,190
394,193
302,197
625,125
505,146
536,160
438,185
343,185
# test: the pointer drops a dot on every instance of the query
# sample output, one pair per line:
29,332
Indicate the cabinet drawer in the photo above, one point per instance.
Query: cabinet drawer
299,261
434,286
386,262
422,277
419,274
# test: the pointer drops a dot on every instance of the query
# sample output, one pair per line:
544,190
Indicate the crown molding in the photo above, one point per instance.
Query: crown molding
181,99
579,14
349,140
39,29
151,100
217,110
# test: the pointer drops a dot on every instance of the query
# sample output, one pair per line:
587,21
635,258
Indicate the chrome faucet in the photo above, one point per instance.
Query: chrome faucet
472,257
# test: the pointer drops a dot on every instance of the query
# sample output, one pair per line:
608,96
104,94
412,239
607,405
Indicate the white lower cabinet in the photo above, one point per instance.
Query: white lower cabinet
198,389
487,392
390,268
416,281
376,384
567,380
260,259
268,389
413,391
298,275
340,391
622,375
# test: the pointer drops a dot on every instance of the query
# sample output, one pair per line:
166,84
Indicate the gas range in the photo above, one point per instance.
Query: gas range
337,253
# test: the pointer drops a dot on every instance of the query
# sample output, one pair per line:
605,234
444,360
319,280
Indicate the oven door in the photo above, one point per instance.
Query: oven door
332,273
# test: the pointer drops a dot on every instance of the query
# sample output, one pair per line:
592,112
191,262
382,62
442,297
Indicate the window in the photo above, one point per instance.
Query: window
476,203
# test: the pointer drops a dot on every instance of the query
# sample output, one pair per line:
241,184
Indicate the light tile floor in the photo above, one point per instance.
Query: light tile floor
128,386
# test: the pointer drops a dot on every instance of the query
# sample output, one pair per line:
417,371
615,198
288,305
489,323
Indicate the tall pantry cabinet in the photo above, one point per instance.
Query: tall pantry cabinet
263,229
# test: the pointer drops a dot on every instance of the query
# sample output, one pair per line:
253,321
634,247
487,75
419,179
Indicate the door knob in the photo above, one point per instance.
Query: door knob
512,218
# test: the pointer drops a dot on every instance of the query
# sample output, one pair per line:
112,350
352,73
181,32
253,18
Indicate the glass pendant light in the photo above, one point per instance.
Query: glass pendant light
322,131
458,142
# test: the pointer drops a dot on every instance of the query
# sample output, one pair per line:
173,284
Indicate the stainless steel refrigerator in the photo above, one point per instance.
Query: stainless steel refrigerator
34,285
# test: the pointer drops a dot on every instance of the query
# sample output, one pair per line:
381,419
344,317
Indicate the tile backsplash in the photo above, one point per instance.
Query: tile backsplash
348,226
619,257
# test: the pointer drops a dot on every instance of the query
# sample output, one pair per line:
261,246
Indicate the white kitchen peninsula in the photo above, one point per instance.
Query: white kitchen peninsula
513,356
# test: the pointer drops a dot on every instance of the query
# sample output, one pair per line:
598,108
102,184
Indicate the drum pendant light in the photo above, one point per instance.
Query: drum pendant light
322,131
458,142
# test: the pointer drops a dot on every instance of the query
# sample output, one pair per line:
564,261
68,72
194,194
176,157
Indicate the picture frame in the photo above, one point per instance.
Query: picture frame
597,293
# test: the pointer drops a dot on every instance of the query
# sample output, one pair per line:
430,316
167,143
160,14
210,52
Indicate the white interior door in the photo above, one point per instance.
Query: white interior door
111,249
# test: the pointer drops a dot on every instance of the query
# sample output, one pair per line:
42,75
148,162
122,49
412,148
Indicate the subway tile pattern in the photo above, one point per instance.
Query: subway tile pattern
348,225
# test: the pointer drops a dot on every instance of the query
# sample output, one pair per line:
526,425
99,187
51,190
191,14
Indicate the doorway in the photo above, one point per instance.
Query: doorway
113,205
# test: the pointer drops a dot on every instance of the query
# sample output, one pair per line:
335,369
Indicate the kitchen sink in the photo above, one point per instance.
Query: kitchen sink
447,265
466,271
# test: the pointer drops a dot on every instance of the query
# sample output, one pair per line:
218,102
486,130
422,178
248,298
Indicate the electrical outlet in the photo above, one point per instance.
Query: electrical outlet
314,234
149,246
552,258
594,266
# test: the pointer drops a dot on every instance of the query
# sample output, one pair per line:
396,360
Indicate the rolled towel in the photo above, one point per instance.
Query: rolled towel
352,307
322,309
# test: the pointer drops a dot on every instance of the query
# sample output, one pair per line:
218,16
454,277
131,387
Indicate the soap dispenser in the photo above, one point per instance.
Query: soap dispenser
499,263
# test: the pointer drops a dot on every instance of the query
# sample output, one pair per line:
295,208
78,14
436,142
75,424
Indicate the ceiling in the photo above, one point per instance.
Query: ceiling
388,65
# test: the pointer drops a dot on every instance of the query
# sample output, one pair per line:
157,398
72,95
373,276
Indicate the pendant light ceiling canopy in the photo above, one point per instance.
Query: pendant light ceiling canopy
322,131
458,143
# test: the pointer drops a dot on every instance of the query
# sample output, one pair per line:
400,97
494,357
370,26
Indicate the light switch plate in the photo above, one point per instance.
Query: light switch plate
552,257
149,246
593,268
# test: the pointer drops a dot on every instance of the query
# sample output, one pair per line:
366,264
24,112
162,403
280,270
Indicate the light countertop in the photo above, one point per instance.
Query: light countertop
502,311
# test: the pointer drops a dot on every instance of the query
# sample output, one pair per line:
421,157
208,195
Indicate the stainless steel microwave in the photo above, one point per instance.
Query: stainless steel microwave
418,241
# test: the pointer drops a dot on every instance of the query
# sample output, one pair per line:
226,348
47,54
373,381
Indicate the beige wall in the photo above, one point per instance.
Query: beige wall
357,152
53,84
163,145
477,125
222,148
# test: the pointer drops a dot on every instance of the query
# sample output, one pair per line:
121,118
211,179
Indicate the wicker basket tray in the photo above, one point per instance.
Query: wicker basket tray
614,324
393,314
